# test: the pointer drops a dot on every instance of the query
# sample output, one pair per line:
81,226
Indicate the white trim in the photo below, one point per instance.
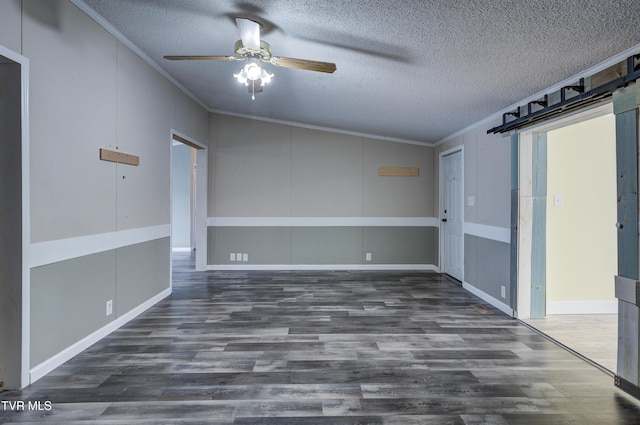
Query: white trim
43,253
202,201
488,298
494,233
182,249
571,80
26,212
322,221
450,151
345,267
53,362
26,223
582,307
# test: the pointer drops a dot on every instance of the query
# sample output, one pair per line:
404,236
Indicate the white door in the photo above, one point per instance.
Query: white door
452,215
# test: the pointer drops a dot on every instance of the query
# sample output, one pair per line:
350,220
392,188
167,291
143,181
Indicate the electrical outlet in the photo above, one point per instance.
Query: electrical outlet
239,256
245,257
109,307
368,256
232,256
503,291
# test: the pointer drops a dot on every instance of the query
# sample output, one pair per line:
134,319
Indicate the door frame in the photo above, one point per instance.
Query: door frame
441,243
528,239
199,188
25,344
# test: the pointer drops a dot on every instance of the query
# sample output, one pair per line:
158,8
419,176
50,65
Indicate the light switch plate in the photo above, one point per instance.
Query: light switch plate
471,201
557,201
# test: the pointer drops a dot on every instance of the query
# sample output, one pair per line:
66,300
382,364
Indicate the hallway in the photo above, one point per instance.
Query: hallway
323,348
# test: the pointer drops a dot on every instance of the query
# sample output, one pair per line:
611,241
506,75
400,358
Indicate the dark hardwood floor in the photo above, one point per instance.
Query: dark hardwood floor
323,348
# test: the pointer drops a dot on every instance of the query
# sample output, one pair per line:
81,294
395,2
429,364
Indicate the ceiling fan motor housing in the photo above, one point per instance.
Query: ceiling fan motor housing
243,52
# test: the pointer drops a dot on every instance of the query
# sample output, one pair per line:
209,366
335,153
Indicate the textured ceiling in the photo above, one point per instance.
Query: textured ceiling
416,70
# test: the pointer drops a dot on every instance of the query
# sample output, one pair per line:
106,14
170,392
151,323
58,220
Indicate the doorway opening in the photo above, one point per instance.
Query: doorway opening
572,290
183,161
189,201
452,213
14,221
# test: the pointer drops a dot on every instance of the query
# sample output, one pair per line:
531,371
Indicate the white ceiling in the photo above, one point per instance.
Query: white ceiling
415,70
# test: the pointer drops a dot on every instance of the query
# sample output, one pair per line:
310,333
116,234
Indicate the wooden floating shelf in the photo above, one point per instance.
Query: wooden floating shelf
399,171
119,157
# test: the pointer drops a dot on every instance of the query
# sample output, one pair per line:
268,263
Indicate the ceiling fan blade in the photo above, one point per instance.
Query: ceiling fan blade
308,65
249,33
199,58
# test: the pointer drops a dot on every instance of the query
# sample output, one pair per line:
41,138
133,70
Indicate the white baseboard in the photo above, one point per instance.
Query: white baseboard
346,267
322,221
582,307
53,362
488,298
181,249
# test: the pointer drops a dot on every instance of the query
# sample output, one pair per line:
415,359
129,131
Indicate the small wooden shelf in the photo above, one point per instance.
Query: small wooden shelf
119,157
399,171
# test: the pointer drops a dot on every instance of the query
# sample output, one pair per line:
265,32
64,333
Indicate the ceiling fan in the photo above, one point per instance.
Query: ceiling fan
254,50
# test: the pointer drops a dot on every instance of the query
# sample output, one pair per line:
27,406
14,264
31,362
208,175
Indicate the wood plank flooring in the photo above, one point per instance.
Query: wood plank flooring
594,336
322,348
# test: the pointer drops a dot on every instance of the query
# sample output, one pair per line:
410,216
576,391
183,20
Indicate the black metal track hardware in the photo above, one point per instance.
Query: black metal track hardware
578,89
542,103
515,113
584,97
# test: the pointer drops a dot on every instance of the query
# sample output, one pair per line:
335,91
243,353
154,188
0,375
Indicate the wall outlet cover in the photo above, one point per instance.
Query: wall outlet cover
109,307
232,256
557,201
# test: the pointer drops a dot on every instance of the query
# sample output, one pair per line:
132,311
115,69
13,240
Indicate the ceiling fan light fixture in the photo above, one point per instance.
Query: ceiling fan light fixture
265,77
252,73
254,50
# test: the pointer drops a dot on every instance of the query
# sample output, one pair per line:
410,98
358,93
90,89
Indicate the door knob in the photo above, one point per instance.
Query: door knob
444,220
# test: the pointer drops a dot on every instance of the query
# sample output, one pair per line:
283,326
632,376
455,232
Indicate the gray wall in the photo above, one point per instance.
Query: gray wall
10,27
70,294
487,176
181,196
327,245
309,180
487,266
99,230
10,223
